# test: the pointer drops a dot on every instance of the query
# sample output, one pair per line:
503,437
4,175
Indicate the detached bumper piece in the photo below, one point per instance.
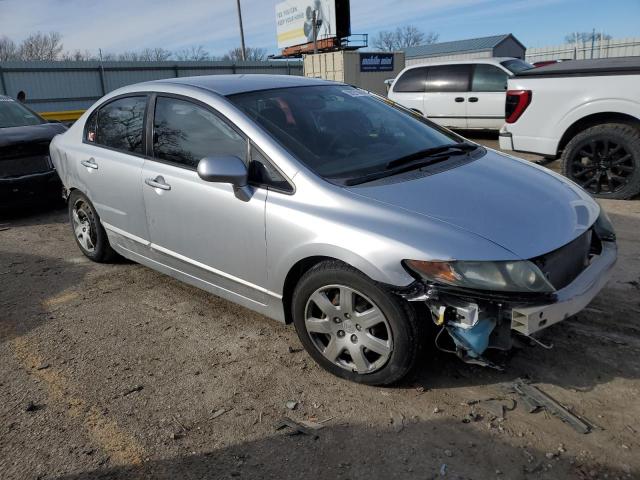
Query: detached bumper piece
476,321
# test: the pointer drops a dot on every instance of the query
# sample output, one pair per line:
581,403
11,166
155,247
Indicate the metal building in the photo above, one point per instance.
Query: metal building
495,46
63,90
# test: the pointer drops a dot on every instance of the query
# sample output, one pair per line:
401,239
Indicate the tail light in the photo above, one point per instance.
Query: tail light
517,102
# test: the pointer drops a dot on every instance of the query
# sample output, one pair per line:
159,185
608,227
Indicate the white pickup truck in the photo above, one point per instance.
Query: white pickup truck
587,112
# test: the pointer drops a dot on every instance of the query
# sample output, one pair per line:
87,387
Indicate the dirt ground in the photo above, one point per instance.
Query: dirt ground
116,371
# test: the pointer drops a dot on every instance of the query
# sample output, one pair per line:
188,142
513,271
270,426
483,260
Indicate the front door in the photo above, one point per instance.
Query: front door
485,108
201,229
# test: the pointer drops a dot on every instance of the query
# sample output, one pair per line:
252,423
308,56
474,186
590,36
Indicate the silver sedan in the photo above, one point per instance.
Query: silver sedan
369,228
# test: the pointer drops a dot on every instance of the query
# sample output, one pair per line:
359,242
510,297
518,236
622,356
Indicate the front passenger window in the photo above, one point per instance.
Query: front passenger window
184,133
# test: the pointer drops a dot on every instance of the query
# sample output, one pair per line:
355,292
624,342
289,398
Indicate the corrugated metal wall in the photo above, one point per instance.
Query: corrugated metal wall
624,47
61,86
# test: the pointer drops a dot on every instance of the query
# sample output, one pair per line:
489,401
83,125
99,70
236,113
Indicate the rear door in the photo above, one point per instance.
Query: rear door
446,95
485,108
110,162
408,90
201,229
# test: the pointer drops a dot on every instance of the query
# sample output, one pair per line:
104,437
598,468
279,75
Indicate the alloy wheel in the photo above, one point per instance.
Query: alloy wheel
602,166
83,226
348,329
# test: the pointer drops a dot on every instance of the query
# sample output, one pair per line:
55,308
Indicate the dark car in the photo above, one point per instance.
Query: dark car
26,171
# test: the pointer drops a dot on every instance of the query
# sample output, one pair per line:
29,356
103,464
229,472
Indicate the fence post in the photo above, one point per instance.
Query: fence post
101,73
233,67
176,70
2,82
288,68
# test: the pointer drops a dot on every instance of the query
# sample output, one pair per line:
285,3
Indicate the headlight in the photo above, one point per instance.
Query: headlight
517,276
604,228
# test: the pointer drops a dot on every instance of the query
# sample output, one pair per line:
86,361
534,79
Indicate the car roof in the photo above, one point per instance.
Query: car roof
491,61
241,83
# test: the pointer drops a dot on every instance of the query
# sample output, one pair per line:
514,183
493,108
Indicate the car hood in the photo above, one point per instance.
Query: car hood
30,133
520,206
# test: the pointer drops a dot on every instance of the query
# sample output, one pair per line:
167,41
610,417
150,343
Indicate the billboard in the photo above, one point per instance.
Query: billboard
294,20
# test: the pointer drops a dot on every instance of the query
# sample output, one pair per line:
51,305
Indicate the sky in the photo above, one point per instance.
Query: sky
118,25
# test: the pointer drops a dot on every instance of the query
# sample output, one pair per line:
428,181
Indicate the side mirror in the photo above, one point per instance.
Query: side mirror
227,169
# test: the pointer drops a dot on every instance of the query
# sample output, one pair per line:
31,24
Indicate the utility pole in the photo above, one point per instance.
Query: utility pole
243,49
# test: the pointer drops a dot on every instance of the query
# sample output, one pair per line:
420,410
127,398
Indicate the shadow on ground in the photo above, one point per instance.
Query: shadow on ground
422,450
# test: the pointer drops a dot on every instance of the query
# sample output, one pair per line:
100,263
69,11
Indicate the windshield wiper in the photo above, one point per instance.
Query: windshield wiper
415,160
451,148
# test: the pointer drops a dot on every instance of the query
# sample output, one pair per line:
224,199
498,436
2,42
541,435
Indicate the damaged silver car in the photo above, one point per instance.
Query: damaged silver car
319,204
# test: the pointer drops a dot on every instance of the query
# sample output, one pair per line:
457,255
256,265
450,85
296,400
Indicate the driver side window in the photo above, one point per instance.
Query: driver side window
184,133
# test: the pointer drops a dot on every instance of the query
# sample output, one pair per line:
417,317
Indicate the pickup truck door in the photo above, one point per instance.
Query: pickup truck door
446,95
485,102
201,229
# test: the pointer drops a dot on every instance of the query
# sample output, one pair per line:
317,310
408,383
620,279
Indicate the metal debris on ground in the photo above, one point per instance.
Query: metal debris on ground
534,399
497,406
303,427
292,404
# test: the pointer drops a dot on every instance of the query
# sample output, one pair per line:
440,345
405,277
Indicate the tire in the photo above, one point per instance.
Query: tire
605,153
88,230
399,331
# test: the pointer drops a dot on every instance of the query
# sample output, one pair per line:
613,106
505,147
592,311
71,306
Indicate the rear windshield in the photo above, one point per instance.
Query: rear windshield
340,131
516,66
14,114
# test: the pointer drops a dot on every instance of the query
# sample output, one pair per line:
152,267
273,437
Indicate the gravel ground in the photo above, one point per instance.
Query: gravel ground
116,371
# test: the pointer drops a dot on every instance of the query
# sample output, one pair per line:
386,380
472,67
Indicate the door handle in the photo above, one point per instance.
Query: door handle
91,163
158,182
473,99
459,99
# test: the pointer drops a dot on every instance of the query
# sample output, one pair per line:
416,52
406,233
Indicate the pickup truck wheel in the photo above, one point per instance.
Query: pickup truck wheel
605,160
354,327
87,229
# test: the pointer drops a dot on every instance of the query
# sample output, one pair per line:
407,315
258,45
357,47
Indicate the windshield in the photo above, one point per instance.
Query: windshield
340,131
14,114
516,66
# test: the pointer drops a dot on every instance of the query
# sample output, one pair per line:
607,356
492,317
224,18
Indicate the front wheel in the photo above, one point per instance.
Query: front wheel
354,327
605,160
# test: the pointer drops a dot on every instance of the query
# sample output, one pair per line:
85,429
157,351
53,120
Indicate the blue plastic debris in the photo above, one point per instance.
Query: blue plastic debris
474,340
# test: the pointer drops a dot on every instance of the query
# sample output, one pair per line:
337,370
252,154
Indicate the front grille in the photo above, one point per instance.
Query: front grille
16,167
563,265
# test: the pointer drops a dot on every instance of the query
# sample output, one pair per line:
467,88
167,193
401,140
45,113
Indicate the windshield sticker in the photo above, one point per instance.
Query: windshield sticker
356,93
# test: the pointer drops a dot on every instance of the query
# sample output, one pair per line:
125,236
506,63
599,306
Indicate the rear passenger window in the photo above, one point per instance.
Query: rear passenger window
487,78
120,124
412,81
448,78
185,133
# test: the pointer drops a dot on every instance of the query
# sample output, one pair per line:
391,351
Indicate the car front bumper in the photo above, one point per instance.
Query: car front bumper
571,299
33,185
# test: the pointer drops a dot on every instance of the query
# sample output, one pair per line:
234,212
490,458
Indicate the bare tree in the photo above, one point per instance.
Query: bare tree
156,54
41,46
586,37
8,49
193,53
403,37
78,56
252,54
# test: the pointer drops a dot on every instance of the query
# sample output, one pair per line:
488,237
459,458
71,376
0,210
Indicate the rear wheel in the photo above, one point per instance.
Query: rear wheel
87,229
354,327
605,160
